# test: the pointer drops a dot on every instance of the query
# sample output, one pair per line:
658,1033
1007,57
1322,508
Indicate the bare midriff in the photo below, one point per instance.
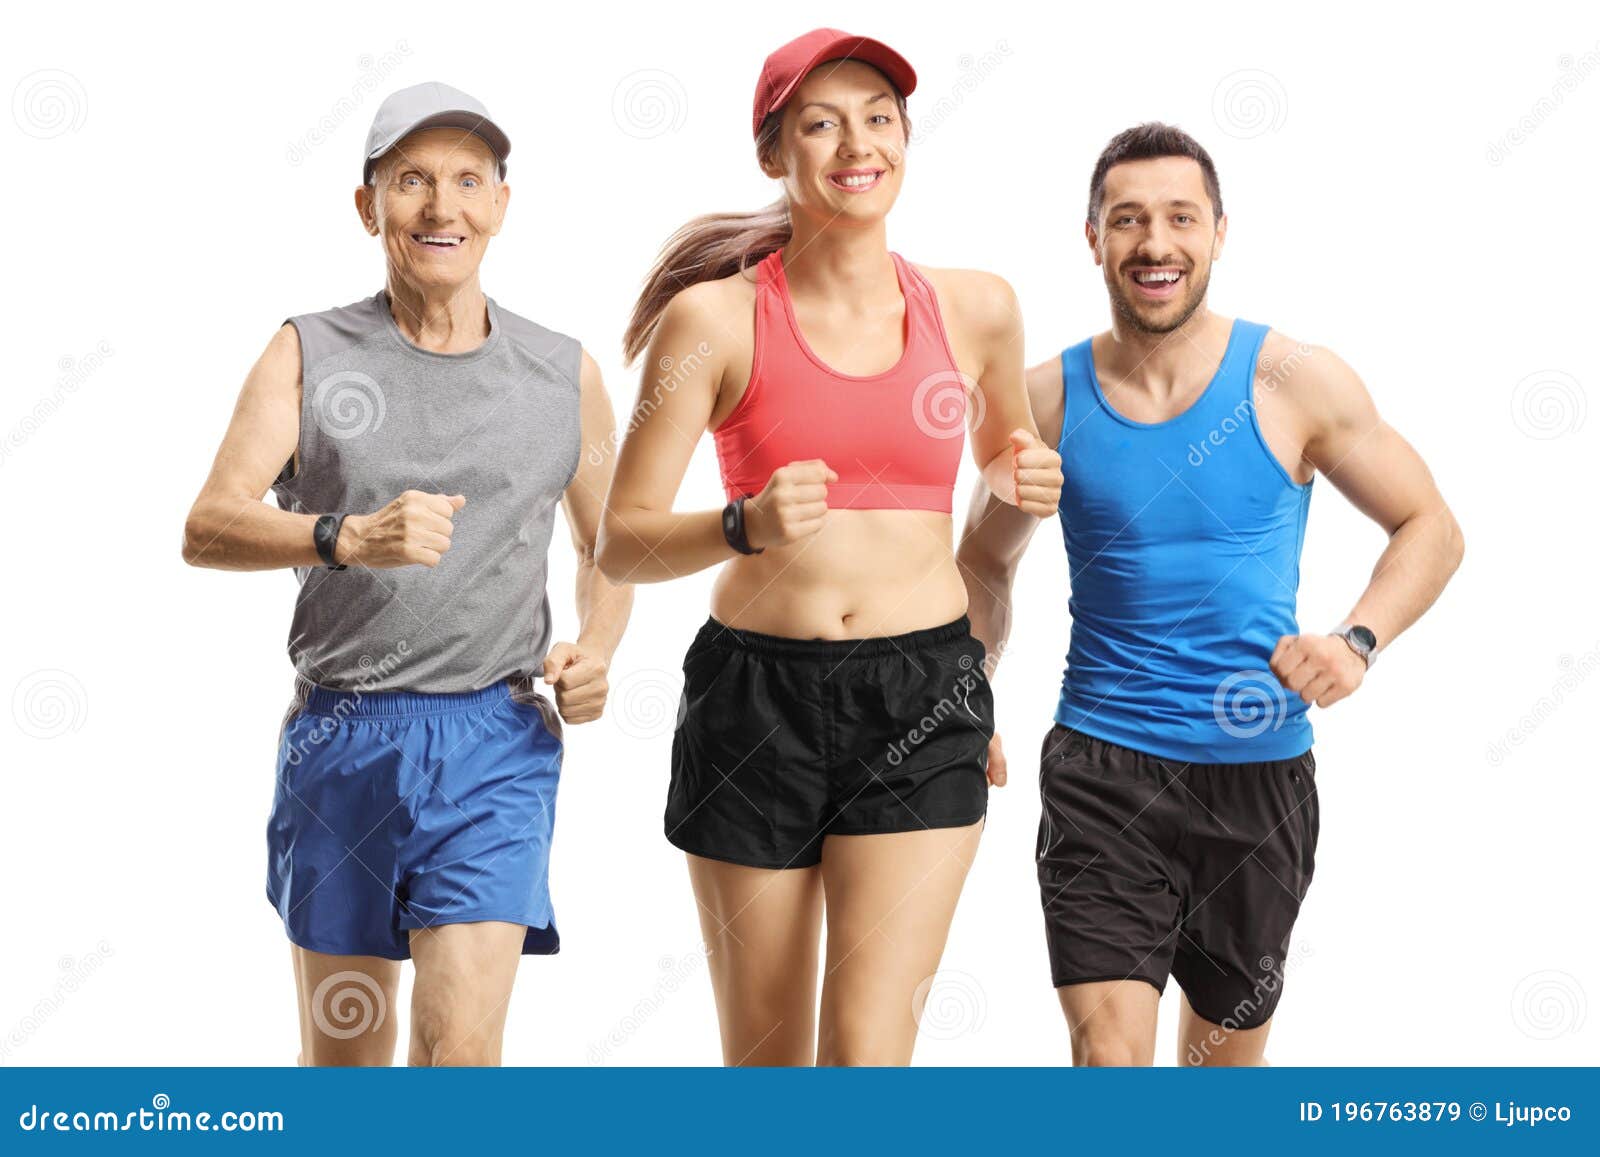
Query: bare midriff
865,573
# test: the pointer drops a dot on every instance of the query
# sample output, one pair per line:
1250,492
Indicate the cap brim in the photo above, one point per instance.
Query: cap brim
474,123
874,52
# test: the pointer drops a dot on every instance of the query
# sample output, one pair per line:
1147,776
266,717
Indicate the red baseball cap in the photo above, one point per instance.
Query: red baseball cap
787,67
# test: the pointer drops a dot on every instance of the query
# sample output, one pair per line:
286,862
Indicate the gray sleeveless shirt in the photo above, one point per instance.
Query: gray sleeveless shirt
378,415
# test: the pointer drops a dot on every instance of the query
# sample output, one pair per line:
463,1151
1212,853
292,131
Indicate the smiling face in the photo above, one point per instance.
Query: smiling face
840,150
435,201
1156,238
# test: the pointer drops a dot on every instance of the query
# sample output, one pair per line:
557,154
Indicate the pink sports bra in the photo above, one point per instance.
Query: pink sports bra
893,438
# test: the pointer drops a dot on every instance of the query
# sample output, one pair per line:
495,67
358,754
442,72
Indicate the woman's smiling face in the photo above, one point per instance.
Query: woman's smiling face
841,146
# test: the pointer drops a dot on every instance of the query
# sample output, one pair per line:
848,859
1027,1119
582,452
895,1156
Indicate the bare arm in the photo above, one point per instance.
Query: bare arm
603,606
1387,480
642,539
997,533
577,671
229,526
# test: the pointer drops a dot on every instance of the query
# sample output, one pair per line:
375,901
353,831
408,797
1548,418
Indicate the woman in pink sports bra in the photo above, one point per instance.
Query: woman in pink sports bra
834,753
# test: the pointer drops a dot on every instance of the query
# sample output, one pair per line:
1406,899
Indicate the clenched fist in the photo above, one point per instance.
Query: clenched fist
791,506
1321,669
579,681
414,528
1035,475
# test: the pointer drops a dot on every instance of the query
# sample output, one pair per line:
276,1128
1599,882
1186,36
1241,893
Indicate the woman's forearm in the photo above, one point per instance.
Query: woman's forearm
651,546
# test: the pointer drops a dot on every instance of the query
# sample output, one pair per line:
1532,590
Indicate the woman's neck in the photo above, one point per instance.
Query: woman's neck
838,261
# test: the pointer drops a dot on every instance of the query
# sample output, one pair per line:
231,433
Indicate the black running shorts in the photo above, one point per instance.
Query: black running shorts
782,741
1149,866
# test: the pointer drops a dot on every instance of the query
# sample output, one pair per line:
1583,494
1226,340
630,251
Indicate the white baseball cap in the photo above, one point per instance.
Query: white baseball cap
425,106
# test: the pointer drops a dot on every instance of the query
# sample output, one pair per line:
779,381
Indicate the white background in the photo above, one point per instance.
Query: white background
178,181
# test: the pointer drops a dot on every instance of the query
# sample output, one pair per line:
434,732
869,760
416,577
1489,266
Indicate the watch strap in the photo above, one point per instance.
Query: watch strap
733,528
325,534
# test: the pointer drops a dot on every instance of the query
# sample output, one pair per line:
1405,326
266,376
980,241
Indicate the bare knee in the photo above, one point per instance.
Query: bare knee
859,1047
440,1038
1106,1047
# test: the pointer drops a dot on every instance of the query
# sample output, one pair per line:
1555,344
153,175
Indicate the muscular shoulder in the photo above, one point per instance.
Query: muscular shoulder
1313,381
982,304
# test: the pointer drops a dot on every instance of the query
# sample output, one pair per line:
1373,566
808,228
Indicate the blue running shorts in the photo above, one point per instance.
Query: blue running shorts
397,810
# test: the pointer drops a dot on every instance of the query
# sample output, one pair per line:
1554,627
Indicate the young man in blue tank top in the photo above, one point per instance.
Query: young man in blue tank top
418,443
1180,812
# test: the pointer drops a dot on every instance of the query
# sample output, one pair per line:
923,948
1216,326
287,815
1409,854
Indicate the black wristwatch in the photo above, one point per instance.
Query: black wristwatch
733,528
326,535
1361,640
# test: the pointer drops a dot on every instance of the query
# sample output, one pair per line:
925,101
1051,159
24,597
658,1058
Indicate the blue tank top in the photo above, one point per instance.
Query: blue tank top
1183,547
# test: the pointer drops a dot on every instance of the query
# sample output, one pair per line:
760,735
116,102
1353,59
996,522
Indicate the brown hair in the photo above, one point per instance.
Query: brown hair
1143,142
718,245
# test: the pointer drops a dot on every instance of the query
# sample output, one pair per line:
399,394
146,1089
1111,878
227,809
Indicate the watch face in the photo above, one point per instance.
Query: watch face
1363,638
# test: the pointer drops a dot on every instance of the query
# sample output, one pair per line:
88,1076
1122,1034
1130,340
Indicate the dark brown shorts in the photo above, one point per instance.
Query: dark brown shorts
1151,866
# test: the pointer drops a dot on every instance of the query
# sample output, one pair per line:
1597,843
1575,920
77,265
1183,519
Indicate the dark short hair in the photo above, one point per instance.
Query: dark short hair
1142,142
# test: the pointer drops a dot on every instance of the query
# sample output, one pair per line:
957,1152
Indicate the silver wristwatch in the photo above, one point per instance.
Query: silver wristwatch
1361,640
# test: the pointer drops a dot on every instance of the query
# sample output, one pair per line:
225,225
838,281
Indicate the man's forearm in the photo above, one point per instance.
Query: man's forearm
603,608
248,534
1412,571
988,606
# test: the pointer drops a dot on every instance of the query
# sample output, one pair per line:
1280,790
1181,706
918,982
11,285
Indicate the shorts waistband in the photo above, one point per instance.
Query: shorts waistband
717,634
357,704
